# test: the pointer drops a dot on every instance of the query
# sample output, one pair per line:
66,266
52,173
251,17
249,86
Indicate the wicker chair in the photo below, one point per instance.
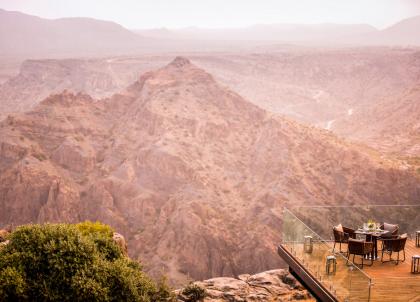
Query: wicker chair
343,236
392,231
360,248
391,228
395,244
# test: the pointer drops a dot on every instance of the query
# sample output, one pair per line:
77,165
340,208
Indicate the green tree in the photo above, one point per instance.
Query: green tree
63,262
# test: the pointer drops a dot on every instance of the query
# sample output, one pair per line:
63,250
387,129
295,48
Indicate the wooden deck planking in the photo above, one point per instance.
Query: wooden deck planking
390,282
395,282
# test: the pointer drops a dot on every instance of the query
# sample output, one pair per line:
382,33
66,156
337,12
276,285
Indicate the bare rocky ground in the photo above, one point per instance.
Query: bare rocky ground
270,286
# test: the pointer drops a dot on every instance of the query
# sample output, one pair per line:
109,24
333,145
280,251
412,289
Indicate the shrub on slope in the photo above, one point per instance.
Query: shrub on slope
63,262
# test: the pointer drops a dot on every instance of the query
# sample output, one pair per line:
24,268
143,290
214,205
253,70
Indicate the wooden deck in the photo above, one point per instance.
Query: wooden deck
390,282
395,282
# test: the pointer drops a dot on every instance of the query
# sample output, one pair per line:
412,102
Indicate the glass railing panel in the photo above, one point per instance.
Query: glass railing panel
321,219
346,283
352,285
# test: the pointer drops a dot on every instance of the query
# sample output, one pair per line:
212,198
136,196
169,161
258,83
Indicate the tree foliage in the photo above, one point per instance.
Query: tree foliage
63,262
193,293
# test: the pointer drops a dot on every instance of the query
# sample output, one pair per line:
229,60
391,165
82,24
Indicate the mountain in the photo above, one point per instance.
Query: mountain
290,33
391,125
23,36
318,86
314,86
194,176
402,33
26,35
99,78
405,32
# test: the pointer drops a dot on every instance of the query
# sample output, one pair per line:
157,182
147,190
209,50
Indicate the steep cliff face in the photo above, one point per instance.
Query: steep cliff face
194,176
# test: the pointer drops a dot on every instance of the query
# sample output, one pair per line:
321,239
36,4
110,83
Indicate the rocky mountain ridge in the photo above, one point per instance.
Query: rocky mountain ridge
194,176
311,85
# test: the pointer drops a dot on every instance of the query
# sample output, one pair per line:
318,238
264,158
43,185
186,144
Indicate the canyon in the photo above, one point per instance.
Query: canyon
347,91
191,173
192,142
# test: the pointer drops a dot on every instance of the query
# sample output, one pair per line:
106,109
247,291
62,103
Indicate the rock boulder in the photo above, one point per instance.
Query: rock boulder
270,286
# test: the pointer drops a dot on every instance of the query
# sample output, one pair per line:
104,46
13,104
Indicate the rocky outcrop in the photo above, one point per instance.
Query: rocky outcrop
74,155
269,286
3,235
120,241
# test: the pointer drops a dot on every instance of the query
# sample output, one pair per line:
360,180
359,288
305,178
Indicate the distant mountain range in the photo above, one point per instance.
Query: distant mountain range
405,32
22,34
26,35
289,33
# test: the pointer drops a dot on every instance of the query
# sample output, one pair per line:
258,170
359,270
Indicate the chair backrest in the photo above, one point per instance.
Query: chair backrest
338,235
350,232
396,244
391,228
341,233
356,246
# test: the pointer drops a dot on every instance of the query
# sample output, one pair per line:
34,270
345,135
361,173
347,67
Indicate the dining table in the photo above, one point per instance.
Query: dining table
372,236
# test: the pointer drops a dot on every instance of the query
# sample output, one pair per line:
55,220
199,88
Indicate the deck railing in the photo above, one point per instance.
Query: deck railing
321,219
348,282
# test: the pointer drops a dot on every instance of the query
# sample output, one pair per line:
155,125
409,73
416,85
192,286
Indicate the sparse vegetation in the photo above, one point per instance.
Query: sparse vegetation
193,293
39,156
62,262
412,160
79,138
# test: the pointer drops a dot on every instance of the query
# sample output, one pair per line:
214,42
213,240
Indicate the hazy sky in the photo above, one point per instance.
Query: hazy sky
221,13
